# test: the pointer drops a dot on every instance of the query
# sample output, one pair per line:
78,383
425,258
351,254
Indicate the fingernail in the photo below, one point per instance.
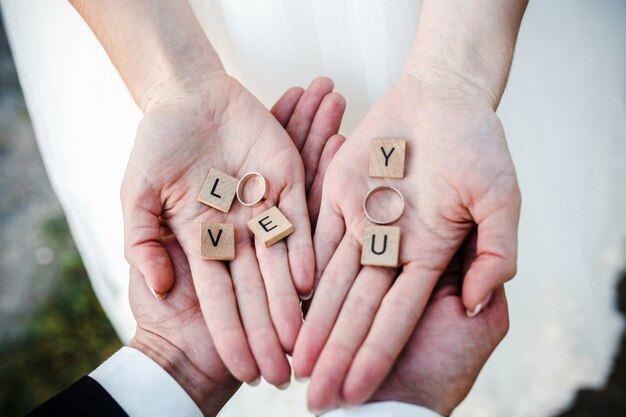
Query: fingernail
302,379
345,405
284,386
255,382
315,411
479,307
158,295
307,297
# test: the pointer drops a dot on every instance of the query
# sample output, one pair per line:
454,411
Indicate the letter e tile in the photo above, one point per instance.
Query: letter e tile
270,226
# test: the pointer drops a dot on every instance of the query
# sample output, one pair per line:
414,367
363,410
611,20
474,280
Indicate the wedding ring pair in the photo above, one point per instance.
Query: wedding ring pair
264,192
378,190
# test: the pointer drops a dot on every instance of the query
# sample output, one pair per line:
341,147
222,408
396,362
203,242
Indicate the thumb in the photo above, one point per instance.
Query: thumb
492,257
143,247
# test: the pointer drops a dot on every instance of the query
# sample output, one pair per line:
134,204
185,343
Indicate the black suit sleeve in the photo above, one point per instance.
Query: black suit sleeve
83,398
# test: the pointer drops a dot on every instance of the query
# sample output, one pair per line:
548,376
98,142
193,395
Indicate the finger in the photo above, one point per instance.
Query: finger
314,194
219,307
349,331
253,307
325,124
304,113
450,281
496,257
286,104
282,297
332,290
393,325
496,317
329,231
142,239
300,243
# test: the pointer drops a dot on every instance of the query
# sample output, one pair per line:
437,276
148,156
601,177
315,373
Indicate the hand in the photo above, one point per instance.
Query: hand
459,176
174,333
447,350
250,306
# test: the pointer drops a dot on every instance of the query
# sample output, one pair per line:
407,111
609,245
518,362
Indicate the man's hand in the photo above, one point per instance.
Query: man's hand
459,176
447,350
174,333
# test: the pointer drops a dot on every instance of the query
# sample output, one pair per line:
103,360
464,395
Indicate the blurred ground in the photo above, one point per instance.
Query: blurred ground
52,329
27,201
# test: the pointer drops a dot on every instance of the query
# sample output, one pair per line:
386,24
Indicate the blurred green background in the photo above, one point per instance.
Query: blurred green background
66,336
52,329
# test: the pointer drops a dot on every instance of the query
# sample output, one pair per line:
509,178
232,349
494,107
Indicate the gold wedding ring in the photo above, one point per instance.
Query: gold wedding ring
242,183
377,190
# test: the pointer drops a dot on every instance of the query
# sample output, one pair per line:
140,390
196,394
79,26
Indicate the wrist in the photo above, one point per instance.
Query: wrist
453,81
437,405
203,390
156,45
465,48
179,77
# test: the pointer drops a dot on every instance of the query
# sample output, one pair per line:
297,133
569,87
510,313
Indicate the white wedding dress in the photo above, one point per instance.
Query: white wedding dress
564,113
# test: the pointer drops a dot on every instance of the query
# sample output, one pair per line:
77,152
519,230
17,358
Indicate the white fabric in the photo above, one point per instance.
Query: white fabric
564,113
142,388
383,409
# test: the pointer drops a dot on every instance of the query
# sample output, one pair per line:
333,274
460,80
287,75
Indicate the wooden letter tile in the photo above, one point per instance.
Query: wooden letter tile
381,246
270,226
387,158
218,190
217,241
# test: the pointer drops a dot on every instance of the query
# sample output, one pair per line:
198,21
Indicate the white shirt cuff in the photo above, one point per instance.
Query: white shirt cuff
142,388
383,409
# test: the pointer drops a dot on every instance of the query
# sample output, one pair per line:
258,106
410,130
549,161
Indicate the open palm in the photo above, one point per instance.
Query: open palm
459,176
251,305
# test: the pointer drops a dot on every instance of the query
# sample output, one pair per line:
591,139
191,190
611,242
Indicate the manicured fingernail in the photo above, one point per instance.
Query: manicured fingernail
307,297
302,379
255,382
479,307
158,295
284,386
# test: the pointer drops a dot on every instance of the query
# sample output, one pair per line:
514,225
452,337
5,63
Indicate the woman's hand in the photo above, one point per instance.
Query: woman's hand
458,176
251,305
174,333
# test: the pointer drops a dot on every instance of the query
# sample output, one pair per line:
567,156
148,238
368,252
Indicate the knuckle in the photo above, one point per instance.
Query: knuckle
261,335
510,270
248,288
501,327
403,308
377,354
360,306
338,282
338,351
